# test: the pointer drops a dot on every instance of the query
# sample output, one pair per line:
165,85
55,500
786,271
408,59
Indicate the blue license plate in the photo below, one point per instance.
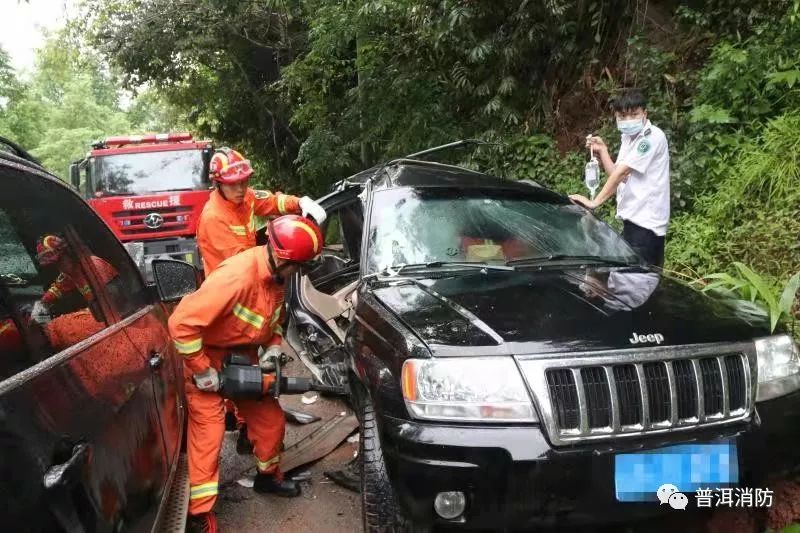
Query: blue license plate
637,476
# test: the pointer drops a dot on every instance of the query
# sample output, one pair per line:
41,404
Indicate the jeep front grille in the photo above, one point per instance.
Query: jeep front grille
603,396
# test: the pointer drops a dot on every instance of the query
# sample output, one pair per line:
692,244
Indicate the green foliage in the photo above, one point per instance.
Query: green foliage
533,157
69,100
388,78
215,61
776,301
730,17
754,215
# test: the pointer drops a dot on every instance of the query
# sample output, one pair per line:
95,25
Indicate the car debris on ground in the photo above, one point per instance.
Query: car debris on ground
309,398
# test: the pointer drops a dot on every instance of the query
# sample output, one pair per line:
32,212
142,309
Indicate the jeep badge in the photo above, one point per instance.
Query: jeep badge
657,338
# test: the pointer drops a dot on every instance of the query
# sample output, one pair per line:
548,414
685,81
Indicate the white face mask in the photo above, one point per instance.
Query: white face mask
630,127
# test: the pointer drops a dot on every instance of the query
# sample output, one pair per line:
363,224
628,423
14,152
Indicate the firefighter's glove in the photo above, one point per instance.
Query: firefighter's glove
40,313
207,381
310,207
267,359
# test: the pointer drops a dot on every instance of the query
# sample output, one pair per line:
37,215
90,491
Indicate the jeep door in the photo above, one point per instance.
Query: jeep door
320,303
82,444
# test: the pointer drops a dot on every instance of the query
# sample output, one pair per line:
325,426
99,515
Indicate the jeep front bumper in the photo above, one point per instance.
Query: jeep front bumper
513,477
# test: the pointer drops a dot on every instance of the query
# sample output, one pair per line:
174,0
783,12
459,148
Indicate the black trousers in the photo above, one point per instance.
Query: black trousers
644,242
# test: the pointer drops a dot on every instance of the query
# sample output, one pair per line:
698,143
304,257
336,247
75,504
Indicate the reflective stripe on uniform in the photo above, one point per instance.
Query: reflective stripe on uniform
252,223
85,290
55,291
189,347
238,230
249,316
278,330
263,465
276,315
282,204
204,490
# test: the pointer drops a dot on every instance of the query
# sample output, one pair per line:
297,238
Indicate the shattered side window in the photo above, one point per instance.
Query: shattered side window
410,226
14,258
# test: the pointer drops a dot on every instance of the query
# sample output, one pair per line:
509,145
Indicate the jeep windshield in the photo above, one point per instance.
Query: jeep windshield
429,225
148,172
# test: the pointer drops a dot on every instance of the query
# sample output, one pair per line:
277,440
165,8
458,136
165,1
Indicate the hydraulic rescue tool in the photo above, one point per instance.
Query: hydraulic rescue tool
242,380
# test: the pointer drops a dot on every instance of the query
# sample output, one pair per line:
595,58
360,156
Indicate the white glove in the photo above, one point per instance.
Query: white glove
310,207
207,381
266,359
40,313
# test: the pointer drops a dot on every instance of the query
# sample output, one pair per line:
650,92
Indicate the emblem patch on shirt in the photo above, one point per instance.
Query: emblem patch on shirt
643,147
260,195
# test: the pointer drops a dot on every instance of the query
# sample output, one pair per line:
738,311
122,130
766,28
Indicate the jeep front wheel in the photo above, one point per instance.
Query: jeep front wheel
379,507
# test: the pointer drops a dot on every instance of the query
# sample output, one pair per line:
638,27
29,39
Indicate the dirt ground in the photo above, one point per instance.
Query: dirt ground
323,507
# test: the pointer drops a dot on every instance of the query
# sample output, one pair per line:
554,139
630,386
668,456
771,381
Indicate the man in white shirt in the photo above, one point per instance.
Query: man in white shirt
639,177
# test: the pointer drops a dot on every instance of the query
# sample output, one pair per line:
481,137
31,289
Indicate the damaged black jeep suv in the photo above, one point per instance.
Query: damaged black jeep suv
506,350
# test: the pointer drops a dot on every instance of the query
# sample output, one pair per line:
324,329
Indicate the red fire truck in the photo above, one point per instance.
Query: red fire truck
150,189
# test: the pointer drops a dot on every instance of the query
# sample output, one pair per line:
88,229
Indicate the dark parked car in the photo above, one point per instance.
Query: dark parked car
506,350
91,389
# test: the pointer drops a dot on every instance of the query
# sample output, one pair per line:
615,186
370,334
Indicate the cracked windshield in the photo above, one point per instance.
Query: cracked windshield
414,226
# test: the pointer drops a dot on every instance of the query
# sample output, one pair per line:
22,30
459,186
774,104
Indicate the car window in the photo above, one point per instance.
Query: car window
63,275
484,225
352,225
51,306
342,231
332,232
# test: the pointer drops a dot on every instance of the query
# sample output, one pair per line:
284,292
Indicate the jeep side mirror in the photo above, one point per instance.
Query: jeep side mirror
174,279
75,176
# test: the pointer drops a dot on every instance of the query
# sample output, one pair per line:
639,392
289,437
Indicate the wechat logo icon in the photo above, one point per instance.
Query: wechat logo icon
669,494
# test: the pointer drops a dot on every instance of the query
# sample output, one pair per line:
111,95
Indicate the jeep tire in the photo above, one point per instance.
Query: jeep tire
379,508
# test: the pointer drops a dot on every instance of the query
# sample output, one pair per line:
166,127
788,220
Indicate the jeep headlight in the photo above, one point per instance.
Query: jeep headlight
466,389
778,366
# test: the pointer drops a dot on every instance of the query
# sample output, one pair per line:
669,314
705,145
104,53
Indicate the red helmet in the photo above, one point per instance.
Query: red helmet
295,238
229,166
49,249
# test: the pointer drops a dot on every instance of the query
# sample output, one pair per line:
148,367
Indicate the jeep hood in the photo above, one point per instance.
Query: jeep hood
529,312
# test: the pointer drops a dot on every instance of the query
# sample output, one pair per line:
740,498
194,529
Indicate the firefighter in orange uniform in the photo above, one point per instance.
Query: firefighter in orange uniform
52,250
239,307
227,224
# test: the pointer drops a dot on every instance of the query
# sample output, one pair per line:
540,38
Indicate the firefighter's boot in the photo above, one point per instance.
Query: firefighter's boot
275,484
202,523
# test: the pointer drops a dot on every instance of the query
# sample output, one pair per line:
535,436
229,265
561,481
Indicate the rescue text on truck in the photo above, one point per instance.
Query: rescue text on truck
150,190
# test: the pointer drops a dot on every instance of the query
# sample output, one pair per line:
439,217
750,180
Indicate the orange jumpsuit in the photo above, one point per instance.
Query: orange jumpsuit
66,283
10,339
237,308
225,229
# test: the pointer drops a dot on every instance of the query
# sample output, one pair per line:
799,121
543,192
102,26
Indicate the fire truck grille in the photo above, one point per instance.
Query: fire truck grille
135,221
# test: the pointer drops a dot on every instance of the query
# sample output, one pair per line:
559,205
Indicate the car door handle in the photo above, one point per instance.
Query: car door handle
156,360
62,475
